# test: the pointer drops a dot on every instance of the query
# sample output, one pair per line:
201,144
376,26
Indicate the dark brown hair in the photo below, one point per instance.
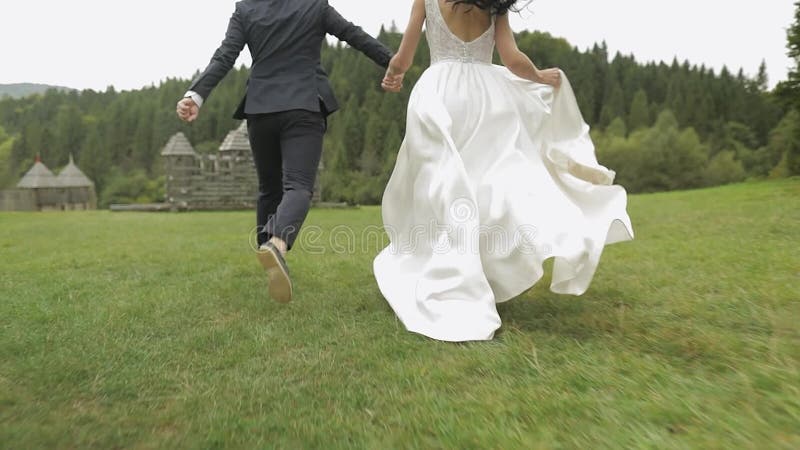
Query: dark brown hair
495,7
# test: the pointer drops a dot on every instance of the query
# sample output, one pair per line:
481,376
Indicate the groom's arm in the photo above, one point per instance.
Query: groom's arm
222,61
338,26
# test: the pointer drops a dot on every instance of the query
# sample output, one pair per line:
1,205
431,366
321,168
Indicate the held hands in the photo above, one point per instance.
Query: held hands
550,76
188,110
393,80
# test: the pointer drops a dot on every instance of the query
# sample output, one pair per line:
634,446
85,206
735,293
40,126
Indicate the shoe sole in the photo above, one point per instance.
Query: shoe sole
280,285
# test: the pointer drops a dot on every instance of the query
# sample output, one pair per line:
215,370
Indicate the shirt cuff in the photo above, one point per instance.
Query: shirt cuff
194,96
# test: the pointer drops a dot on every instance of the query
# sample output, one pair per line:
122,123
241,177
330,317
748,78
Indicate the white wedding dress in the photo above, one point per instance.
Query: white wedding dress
495,175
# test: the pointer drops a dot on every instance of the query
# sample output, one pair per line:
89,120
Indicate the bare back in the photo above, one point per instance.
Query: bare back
466,22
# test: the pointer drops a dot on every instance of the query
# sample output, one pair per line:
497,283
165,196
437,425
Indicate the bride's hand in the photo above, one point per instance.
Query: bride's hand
551,77
393,80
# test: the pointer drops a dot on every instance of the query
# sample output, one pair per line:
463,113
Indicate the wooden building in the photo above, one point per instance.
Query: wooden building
40,190
223,181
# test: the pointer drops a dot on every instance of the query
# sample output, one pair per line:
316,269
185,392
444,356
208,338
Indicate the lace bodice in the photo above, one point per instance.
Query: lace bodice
446,46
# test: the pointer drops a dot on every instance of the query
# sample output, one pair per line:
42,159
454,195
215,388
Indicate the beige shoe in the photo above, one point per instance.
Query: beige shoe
280,284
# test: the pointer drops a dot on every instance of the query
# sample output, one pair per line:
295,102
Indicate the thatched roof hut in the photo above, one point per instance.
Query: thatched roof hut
71,176
178,145
38,177
237,140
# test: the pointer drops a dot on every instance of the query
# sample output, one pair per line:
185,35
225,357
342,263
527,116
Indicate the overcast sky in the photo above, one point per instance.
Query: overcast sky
131,44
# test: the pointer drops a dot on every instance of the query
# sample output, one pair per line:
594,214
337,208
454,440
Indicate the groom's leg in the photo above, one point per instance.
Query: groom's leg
301,149
264,132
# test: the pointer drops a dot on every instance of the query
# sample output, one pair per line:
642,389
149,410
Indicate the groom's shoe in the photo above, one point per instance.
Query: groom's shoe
280,285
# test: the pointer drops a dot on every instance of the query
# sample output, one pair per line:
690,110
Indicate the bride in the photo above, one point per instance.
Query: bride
496,173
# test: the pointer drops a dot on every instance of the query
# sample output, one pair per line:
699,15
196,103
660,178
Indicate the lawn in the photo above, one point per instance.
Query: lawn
128,330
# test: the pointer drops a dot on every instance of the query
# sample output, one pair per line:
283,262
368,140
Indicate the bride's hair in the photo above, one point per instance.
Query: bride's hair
495,7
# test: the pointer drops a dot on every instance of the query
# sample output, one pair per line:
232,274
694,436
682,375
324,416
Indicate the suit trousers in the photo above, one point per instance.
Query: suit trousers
287,147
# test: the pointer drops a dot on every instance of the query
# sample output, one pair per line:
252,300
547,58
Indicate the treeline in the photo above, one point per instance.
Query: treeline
660,126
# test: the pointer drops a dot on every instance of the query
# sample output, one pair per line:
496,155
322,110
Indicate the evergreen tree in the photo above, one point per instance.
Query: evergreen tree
6,143
95,159
675,100
793,34
353,134
68,136
374,142
639,116
761,83
793,45
613,105
393,142
784,139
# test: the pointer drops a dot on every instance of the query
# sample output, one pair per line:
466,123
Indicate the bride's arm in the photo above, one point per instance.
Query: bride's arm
518,62
402,61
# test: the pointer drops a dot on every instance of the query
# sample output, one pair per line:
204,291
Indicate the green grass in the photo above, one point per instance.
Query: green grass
155,331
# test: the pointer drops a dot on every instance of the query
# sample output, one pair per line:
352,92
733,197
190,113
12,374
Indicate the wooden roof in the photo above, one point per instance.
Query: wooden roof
237,140
178,145
71,176
39,176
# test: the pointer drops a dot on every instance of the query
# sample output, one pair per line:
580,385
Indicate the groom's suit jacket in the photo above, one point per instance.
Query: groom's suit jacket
285,39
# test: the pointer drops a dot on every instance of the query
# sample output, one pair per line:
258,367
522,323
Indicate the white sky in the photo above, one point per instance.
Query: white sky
131,44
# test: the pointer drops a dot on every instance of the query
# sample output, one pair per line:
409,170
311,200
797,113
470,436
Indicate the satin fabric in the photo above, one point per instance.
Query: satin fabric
495,175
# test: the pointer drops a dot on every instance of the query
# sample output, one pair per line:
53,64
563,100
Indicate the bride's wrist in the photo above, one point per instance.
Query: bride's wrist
398,66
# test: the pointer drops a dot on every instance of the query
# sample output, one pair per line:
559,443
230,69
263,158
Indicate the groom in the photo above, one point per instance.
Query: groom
286,106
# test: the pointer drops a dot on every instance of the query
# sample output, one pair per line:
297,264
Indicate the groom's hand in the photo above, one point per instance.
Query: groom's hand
188,110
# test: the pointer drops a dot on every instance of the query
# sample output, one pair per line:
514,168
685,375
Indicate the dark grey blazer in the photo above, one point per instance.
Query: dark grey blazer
285,38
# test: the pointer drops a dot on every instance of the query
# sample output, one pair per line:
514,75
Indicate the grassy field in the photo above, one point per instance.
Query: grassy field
124,330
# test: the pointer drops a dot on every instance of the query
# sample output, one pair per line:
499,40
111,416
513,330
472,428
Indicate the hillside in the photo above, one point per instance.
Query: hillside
22,90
